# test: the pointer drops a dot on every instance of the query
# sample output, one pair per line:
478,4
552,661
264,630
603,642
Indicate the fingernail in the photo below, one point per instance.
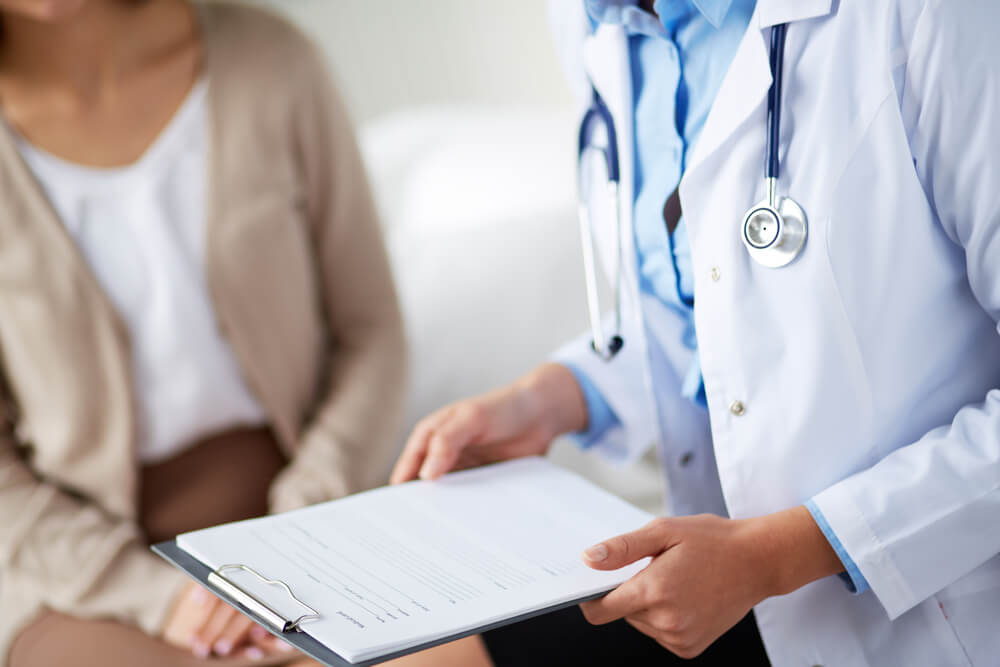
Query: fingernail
200,649
285,647
223,647
254,653
200,596
596,553
427,471
258,632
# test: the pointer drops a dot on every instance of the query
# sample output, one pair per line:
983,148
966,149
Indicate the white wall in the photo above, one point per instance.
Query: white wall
390,54
468,130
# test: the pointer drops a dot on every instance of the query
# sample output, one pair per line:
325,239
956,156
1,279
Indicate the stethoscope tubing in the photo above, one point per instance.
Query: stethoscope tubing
777,57
599,111
778,210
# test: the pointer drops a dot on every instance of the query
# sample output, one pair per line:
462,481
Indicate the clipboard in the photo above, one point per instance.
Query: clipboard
291,629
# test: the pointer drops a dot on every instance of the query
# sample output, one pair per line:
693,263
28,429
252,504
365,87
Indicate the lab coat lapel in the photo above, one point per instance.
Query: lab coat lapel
605,58
743,92
773,12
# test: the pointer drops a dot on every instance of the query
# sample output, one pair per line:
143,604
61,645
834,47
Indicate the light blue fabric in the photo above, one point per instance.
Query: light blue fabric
677,63
856,582
600,416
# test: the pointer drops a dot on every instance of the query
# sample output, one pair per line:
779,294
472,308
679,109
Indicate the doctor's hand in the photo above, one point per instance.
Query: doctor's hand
518,420
707,573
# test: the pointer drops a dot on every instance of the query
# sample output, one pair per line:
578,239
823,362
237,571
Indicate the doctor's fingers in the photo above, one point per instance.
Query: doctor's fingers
676,644
651,540
628,599
650,589
415,450
466,424
425,441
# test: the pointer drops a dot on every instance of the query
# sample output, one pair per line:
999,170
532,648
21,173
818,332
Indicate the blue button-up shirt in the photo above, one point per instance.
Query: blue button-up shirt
678,62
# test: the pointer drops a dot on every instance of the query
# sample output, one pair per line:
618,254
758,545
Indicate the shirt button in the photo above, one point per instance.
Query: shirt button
715,274
686,458
737,408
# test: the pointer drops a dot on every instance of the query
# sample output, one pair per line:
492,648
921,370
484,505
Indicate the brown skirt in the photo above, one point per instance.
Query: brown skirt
222,478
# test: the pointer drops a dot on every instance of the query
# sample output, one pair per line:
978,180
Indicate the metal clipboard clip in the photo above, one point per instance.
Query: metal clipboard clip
264,611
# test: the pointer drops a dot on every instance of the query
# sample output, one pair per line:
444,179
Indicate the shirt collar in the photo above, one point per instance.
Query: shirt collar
714,11
628,13
773,12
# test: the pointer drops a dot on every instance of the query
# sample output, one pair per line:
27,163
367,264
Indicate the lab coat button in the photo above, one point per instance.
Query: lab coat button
737,408
715,274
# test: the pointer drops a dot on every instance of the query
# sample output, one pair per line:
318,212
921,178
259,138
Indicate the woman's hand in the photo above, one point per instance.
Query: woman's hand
707,573
517,420
207,626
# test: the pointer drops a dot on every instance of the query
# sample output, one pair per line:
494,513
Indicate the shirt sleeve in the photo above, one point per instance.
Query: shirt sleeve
600,416
853,579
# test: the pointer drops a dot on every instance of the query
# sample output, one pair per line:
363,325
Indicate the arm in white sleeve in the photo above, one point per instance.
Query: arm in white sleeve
926,514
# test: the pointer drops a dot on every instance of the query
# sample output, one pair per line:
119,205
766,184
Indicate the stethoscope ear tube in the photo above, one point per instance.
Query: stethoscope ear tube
606,348
599,115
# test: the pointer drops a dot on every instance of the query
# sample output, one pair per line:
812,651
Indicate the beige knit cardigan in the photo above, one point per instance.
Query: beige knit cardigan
302,290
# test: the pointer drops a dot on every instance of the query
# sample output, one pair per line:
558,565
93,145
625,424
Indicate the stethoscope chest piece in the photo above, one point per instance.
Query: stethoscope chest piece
774,231
775,235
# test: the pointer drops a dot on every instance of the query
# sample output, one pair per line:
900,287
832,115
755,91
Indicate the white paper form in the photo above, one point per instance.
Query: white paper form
399,566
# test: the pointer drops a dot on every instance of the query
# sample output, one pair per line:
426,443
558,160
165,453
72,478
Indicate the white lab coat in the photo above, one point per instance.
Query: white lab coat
869,367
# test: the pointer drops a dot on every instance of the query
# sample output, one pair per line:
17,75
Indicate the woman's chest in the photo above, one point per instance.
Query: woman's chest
105,126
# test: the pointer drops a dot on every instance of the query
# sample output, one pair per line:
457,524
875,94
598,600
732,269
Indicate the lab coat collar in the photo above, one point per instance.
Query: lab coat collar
746,84
773,12
605,59
742,91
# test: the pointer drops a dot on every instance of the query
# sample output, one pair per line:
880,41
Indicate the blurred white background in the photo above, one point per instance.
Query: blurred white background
468,130
393,54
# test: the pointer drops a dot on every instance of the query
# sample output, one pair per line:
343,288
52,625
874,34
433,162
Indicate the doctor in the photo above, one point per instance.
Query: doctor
828,409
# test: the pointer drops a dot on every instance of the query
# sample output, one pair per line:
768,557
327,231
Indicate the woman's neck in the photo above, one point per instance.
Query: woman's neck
102,43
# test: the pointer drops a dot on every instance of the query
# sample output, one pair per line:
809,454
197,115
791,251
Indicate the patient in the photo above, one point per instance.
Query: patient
197,319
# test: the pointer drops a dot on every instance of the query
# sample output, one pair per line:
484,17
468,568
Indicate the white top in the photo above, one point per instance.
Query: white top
141,230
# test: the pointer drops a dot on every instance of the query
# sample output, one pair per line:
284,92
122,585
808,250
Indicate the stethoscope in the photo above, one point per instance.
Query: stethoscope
774,231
